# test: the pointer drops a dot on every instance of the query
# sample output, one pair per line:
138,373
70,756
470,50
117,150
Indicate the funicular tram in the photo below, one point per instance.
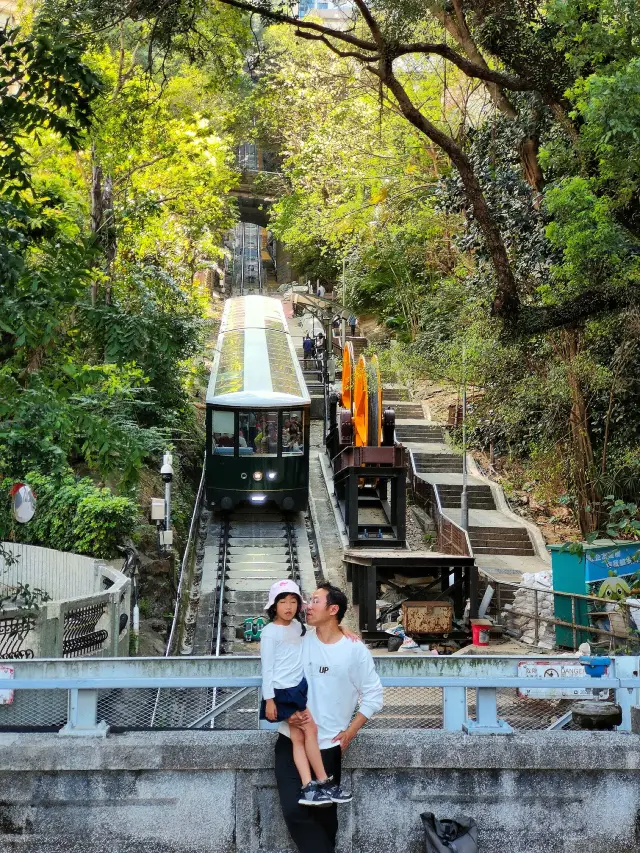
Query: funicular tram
258,409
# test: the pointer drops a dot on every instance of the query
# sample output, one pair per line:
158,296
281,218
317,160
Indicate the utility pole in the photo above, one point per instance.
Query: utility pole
464,497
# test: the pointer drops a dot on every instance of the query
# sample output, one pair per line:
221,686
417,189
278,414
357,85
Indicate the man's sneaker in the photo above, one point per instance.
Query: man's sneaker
335,792
314,795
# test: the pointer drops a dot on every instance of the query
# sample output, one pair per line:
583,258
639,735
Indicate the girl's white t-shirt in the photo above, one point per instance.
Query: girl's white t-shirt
281,655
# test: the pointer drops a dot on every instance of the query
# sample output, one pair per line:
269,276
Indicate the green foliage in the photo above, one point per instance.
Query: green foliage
73,515
43,83
88,413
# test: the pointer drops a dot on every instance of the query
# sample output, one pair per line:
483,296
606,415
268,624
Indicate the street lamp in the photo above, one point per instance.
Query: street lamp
464,497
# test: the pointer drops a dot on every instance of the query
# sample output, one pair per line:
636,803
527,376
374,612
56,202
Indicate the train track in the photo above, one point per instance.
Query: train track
254,550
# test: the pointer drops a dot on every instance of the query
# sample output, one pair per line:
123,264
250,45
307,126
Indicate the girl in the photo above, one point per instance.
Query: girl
284,691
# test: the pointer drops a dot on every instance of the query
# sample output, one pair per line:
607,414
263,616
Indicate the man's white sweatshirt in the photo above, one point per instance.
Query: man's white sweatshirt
340,675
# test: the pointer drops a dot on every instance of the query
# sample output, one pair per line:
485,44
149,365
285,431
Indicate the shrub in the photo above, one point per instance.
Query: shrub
73,514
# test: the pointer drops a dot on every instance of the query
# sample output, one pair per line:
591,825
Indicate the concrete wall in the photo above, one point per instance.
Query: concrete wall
566,792
72,582
62,574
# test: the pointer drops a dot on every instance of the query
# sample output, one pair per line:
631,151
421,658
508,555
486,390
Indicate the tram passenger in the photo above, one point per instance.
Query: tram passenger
242,441
272,439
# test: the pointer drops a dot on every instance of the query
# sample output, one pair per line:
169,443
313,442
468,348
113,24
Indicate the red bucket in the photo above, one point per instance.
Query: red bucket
480,632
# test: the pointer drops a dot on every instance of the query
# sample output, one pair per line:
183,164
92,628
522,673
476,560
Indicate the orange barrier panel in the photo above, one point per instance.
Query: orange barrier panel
361,404
348,361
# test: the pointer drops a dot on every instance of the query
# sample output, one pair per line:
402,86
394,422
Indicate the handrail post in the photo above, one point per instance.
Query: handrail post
454,708
626,697
82,715
487,721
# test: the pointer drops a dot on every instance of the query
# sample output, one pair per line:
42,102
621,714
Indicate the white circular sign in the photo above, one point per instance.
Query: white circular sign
24,503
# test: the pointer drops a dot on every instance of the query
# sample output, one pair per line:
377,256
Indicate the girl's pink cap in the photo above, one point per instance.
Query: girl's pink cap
287,587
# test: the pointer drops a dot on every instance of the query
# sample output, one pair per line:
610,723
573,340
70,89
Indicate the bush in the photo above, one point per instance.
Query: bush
73,514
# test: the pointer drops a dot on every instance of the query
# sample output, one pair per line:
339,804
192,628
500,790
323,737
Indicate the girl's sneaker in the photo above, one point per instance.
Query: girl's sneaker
335,792
314,795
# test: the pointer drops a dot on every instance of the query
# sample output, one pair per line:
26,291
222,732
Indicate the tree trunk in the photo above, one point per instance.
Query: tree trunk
109,234
588,499
506,302
97,214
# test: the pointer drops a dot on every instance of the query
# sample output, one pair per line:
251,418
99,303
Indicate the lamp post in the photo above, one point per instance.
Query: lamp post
464,497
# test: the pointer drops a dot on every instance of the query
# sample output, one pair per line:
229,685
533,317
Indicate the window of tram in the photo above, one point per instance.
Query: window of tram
258,433
222,432
292,432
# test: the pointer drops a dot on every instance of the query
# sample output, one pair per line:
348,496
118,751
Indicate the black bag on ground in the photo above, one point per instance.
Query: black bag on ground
450,836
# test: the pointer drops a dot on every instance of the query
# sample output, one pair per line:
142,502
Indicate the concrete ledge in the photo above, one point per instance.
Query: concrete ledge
214,791
373,750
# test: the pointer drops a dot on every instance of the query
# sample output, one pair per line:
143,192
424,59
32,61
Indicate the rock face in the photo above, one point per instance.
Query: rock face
533,598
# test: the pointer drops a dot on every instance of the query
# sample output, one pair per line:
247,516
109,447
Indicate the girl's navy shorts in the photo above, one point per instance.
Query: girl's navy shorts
288,701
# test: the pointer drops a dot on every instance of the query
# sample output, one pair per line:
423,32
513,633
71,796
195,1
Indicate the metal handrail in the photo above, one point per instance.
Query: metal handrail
223,577
185,559
438,511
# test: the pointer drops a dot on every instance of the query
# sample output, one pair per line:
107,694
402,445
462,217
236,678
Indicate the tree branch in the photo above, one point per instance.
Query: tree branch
281,18
459,29
344,54
534,320
471,69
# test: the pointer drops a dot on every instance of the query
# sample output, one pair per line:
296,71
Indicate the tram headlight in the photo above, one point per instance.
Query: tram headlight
257,476
272,475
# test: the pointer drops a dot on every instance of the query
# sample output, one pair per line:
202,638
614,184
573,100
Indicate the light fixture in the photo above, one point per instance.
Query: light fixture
271,475
258,499
257,475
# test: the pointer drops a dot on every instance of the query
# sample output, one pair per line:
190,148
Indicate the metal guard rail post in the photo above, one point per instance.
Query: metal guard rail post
83,678
448,531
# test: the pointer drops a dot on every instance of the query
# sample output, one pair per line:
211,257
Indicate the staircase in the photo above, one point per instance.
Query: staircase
409,411
438,463
511,541
478,497
417,433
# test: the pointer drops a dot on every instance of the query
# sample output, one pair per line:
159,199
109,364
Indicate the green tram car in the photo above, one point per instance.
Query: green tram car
257,411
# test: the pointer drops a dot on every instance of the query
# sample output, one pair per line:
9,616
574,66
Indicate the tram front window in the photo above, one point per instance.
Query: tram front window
292,432
259,432
222,430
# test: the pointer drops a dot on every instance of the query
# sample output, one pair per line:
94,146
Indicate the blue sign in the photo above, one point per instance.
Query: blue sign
621,559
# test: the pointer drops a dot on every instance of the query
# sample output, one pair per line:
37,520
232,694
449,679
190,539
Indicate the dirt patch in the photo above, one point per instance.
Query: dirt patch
555,521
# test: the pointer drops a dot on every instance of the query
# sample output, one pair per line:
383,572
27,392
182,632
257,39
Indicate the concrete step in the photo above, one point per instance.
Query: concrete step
443,463
395,392
480,497
419,432
509,552
408,410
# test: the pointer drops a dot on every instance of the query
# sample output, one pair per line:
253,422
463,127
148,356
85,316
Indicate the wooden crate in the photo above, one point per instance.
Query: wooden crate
427,617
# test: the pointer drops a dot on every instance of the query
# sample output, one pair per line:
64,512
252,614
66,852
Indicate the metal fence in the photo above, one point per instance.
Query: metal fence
451,538
473,694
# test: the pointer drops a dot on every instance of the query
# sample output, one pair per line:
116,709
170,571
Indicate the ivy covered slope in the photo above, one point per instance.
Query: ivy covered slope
114,172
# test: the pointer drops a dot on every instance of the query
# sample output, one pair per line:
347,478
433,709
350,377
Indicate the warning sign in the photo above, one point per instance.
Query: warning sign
6,696
543,670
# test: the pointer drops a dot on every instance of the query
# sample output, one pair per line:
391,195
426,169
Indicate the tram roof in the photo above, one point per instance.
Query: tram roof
254,334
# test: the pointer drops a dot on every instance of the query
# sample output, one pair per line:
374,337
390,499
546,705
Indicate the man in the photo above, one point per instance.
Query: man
321,291
353,321
340,673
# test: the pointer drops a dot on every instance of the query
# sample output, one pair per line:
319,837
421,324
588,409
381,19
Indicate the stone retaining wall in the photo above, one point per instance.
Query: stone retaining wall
566,792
